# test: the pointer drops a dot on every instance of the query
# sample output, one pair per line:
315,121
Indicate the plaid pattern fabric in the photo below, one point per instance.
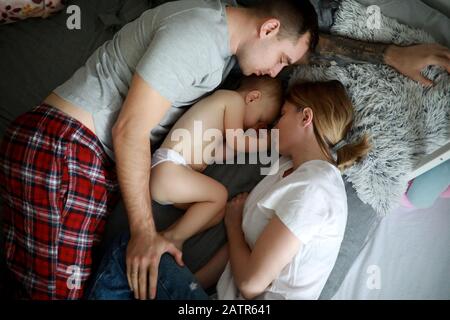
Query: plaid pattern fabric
58,185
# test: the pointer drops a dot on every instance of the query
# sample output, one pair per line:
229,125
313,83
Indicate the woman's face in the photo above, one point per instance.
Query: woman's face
288,126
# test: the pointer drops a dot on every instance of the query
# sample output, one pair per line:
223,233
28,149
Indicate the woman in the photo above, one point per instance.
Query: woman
285,236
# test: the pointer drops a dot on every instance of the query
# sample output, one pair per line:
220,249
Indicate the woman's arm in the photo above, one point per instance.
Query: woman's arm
253,271
210,273
409,61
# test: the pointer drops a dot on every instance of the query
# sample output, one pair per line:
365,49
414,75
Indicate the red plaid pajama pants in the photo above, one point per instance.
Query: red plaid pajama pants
58,186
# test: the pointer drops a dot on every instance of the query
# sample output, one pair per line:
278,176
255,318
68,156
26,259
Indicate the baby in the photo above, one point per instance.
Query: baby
176,176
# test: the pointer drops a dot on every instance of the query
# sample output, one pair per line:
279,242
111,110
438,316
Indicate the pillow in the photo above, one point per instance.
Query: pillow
426,188
405,120
16,10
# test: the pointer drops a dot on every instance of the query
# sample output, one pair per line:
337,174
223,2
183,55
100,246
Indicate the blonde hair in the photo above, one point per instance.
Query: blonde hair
332,120
270,88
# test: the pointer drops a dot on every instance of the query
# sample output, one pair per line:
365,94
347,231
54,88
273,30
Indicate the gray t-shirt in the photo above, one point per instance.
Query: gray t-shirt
180,48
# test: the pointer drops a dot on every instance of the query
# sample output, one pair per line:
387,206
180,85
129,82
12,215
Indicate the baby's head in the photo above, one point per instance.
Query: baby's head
263,99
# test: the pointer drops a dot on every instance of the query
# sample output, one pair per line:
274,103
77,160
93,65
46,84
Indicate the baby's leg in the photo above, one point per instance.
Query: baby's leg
215,221
178,184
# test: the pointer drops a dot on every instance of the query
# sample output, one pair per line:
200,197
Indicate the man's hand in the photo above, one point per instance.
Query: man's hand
144,252
234,210
411,60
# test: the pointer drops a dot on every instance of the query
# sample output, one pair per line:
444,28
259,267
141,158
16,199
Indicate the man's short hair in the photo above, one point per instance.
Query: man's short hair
297,17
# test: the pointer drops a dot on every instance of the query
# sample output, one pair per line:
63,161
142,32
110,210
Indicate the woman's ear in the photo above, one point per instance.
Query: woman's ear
252,96
269,28
306,117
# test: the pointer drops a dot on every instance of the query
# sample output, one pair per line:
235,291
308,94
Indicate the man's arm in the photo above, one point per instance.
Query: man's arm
342,51
409,61
142,110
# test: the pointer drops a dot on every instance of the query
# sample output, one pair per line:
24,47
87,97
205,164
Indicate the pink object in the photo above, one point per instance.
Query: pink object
446,193
405,201
16,10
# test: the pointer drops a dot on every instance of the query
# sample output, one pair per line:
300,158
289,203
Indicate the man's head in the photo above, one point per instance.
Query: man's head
263,98
285,31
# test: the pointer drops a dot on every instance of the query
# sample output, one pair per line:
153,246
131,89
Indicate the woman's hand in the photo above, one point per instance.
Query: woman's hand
234,210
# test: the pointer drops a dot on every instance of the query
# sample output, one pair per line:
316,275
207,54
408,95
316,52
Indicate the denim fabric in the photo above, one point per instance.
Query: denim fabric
110,281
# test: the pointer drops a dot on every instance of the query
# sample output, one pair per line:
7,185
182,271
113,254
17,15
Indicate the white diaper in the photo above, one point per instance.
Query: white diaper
164,154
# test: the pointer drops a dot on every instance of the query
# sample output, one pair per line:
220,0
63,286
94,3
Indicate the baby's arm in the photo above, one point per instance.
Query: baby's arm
234,120
210,273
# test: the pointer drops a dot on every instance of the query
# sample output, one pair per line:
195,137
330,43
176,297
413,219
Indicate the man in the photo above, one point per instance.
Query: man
56,179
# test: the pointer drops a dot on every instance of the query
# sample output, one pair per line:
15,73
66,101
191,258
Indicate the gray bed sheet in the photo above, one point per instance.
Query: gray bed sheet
37,55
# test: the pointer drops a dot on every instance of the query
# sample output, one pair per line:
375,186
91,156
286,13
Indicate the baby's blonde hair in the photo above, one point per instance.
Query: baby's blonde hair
332,119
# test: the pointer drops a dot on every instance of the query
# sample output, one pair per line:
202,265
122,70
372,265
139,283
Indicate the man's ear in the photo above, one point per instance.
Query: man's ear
269,28
252,96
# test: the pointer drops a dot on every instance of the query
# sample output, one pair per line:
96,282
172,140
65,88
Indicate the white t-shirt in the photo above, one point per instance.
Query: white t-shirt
312,203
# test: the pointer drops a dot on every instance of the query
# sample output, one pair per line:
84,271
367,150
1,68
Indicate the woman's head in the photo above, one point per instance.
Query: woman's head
325,110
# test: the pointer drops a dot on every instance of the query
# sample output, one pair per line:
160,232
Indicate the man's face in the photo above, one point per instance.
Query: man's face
268,55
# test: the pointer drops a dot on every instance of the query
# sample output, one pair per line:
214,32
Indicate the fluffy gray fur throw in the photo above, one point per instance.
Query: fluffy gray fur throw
405,120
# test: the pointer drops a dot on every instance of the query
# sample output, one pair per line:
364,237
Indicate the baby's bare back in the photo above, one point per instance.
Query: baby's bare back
188,133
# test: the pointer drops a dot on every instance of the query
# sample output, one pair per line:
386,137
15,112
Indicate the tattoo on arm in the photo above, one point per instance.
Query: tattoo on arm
332,50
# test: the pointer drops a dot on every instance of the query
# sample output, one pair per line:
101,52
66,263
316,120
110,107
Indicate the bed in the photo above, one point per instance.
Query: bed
37,55
408,257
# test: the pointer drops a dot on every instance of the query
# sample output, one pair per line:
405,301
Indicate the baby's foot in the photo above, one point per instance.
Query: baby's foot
172,238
